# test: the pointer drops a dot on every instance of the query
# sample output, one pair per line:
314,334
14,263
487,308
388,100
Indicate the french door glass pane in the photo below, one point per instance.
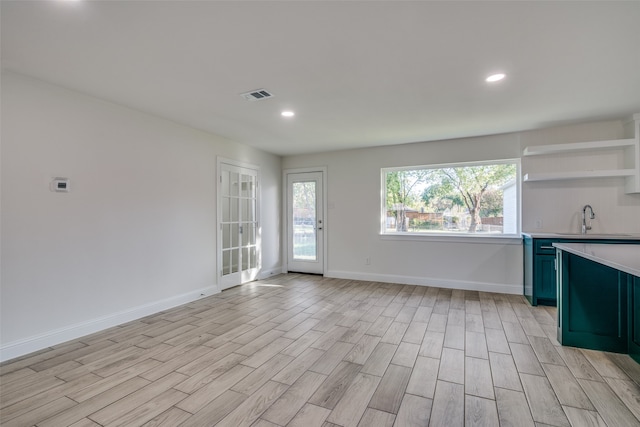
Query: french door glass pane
234,235
234,209
245,258
248,233
226,262
254,257
235,259
226,209
304,221
248,209
226,236
248,186
233,184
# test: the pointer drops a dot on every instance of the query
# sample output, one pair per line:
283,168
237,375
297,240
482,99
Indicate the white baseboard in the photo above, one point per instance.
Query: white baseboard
265,274
502,288
28,345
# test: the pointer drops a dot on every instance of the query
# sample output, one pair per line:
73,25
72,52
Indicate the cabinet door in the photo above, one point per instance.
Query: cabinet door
634,319
595,305
545,279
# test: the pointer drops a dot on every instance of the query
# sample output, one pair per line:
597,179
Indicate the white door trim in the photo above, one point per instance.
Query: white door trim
285,238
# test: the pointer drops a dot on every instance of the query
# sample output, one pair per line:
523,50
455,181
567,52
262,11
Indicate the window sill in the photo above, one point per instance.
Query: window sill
509,239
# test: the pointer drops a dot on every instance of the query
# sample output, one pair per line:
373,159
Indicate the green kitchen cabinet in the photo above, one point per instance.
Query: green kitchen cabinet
599,297
592,309
545,274
540,270
540,283
634,318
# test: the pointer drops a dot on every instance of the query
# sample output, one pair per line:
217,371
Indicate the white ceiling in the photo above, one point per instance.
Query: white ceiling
357,74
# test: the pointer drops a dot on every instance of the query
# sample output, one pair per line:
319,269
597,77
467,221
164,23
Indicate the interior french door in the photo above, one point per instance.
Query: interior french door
305,223
238,231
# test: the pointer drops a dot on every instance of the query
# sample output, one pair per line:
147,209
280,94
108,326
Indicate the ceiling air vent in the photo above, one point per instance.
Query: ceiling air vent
256,95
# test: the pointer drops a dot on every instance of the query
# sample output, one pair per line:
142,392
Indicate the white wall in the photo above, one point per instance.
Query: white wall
354,207
135,235
353,222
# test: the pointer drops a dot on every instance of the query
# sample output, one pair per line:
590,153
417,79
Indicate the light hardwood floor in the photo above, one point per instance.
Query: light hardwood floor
309,351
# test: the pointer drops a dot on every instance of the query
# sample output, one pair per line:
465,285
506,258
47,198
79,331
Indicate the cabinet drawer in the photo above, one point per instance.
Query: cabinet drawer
544,247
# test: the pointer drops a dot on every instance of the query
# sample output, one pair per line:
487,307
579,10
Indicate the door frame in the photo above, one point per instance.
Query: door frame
219,162
285,220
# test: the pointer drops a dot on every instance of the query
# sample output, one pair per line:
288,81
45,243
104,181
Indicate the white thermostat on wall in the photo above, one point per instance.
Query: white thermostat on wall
60,185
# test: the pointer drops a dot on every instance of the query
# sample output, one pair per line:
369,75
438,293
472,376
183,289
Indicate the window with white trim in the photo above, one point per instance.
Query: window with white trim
479,198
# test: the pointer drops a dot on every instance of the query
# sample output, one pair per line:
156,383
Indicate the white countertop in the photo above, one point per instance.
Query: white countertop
619,256
578,236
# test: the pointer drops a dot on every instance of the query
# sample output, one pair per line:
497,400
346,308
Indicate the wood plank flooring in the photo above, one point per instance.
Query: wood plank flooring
309,351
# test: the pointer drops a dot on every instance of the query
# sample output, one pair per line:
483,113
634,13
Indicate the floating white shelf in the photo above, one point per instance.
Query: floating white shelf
577,146
631,147
559,176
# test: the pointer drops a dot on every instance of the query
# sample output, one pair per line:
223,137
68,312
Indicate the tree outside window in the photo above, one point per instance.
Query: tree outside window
458,199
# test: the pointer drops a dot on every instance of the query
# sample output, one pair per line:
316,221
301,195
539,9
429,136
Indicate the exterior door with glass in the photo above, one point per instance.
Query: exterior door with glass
238,218
305,223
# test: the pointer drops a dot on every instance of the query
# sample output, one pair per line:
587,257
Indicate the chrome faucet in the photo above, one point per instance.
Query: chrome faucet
586,227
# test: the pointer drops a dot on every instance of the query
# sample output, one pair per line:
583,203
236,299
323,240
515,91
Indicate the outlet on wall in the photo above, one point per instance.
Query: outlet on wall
367,261
538,224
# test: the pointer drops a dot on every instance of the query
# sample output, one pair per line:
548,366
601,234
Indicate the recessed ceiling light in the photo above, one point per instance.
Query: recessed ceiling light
495,77
288,114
